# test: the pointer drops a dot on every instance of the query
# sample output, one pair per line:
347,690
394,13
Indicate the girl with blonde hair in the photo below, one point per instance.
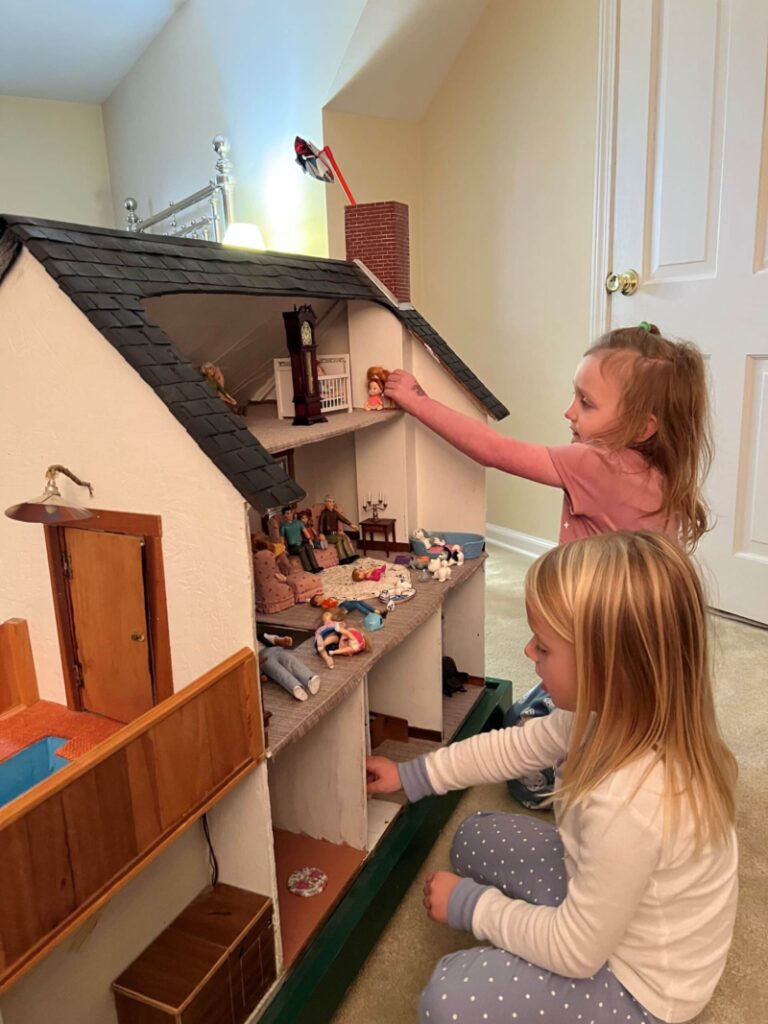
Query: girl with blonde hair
623,910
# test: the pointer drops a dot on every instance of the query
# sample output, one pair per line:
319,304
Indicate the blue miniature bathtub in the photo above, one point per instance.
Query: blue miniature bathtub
472,543
30,766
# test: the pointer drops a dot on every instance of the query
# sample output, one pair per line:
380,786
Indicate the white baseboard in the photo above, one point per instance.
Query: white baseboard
524,543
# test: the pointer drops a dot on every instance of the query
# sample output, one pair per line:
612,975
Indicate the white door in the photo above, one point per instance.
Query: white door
690,215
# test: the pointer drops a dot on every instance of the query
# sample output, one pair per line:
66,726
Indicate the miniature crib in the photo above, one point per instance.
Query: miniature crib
333,380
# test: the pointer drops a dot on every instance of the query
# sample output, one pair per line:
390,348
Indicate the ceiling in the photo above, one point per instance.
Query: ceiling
75,50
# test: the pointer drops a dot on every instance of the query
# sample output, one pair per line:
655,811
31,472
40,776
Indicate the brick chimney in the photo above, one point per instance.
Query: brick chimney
377,235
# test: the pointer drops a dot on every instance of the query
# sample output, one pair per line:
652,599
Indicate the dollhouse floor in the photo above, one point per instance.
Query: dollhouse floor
301,916
278,435
292,719
45,718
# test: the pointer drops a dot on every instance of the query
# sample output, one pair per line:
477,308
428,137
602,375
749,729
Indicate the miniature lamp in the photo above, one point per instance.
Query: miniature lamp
50,508
244,236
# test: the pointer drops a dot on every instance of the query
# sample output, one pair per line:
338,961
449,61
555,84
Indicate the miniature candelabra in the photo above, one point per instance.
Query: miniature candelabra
373,506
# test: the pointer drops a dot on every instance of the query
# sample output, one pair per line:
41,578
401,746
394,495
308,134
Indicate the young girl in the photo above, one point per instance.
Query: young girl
640,444
640,449
625,911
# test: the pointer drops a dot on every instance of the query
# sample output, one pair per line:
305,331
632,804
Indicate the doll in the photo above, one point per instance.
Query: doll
215,378
320,601
332,637
286,669
297,540
317,540
377,378
328,524
359,574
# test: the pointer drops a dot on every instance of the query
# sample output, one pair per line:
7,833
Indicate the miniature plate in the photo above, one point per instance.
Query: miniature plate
307,882
386,596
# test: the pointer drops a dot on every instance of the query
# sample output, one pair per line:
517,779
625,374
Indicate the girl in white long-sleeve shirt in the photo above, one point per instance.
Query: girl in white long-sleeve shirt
625,910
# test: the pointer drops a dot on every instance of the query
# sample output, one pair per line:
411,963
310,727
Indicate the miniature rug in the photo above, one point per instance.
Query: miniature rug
337,581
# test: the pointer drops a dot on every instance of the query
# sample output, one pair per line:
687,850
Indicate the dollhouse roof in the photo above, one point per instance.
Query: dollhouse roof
108,274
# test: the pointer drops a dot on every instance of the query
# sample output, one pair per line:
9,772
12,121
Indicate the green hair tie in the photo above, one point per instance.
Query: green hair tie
644,326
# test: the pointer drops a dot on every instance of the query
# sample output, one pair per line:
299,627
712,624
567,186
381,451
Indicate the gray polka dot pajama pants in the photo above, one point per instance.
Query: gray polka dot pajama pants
523,857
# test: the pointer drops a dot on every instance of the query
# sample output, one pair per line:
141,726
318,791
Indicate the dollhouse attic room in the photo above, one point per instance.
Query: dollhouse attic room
131,632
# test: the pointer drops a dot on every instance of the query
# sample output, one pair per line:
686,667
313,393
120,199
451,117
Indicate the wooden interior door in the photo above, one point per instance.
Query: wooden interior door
690,215
111,639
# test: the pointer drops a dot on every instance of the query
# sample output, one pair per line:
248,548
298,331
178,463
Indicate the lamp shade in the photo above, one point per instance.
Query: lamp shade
50,508
244,236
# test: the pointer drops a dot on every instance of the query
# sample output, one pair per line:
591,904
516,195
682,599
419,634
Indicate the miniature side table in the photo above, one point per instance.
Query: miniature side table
368,527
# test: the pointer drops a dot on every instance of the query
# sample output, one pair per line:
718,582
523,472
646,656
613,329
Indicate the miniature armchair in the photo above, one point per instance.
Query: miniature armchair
271,595
303,584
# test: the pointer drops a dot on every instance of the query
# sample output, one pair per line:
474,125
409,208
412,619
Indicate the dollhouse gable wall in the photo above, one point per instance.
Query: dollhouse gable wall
74,400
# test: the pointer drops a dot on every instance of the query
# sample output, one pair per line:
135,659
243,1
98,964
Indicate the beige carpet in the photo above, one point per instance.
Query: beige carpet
387,989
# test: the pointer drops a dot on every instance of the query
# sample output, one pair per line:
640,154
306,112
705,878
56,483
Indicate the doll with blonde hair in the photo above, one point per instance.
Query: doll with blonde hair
333,637
624,909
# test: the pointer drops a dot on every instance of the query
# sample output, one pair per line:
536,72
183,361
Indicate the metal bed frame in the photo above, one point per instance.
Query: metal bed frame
212,226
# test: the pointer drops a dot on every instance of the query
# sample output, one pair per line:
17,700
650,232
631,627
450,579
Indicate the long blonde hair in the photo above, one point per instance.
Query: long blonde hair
666,379
632,606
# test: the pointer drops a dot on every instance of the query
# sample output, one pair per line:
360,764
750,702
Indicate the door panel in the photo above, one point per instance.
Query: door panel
690,214
110,625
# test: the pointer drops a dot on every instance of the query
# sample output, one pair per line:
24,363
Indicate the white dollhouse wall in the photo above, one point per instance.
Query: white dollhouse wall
76,401
329,468
425,481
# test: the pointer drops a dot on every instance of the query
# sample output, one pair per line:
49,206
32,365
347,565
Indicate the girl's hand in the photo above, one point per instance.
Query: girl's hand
382,775
437,893
403,389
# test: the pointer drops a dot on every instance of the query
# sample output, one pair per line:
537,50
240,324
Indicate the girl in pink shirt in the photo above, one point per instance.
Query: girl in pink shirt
640,450
640,443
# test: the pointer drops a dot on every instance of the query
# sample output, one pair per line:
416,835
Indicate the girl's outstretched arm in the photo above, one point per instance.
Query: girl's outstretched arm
477,440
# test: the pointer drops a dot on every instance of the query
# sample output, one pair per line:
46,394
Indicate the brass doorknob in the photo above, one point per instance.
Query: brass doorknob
625,283
138,637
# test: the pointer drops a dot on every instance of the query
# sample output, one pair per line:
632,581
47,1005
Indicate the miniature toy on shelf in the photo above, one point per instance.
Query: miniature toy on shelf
287,670
424,542
332,637
300,333
321,601
328,524
377,379
374,507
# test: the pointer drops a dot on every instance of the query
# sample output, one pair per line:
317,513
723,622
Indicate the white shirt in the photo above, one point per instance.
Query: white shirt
661,916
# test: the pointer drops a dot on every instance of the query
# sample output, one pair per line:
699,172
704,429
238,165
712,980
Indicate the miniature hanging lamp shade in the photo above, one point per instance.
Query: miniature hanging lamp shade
50,508
241,235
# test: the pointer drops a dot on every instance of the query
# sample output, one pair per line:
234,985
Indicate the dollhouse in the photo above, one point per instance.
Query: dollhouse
106,332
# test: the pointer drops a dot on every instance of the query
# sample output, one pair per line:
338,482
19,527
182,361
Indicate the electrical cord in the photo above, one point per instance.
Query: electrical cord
211,853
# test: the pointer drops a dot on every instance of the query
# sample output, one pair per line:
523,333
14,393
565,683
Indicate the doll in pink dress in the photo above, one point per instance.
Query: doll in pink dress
377,379
358,575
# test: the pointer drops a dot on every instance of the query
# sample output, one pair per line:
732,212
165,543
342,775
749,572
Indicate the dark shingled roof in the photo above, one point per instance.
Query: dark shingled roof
108,273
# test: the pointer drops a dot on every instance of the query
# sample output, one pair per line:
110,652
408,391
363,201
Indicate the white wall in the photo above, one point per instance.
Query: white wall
72,399
255,71
53,161
498,175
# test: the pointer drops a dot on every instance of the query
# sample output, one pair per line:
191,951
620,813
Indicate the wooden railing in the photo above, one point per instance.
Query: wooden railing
70,843
18,683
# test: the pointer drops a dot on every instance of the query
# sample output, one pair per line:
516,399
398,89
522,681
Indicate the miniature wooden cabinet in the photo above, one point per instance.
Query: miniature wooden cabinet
211,965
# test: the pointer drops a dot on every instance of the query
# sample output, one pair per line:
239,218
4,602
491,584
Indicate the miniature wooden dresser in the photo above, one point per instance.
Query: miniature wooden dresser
211,965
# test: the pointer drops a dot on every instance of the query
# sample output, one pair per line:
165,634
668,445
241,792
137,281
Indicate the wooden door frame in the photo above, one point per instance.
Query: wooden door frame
605,161
149,528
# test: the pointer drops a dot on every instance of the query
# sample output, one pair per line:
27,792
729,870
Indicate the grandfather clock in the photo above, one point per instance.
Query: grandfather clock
300,332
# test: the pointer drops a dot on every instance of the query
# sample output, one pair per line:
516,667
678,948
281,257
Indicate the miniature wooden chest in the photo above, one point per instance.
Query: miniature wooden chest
211,965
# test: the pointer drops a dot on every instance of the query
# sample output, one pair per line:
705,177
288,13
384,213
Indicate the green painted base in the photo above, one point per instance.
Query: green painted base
316,984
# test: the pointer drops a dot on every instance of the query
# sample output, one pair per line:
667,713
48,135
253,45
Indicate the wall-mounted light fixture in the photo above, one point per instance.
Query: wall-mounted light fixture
50,508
